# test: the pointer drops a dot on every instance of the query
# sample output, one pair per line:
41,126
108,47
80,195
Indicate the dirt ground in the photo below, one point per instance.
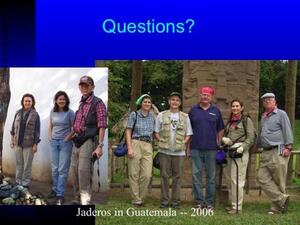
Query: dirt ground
43,189
102,198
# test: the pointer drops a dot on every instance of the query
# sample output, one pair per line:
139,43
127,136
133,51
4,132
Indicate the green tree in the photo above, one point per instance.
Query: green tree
4,102
158,77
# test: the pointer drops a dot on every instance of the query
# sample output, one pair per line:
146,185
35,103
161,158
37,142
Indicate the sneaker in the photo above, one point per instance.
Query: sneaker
137,204
52,194
59,200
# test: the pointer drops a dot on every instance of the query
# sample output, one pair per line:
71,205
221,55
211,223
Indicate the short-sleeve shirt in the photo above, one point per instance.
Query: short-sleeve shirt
206,124
62,123
144,126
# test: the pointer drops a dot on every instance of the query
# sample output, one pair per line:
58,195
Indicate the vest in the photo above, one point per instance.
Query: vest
91,123
179,135
29,129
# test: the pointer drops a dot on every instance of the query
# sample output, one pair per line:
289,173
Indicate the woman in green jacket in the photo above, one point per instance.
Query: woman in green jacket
239,136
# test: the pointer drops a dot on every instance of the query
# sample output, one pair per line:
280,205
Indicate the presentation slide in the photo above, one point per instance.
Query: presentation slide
149,112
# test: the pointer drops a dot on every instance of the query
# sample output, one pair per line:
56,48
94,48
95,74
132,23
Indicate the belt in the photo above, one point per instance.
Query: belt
270,148
145,139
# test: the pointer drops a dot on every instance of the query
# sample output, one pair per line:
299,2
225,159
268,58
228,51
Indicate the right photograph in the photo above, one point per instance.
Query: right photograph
203,138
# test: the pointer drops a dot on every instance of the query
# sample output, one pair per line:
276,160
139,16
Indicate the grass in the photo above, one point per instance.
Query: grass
253,213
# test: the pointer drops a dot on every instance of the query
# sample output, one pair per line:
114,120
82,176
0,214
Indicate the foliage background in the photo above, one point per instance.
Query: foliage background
160,78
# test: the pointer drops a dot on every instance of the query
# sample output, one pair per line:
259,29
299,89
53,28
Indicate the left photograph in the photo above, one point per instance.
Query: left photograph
55,141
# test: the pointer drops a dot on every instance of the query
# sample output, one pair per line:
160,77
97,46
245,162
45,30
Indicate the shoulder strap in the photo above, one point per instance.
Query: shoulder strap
245,121
132,128
134,123
244,127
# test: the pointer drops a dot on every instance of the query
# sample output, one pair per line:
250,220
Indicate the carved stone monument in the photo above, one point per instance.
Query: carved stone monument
231,79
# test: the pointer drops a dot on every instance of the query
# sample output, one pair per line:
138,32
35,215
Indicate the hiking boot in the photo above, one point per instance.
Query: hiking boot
52,194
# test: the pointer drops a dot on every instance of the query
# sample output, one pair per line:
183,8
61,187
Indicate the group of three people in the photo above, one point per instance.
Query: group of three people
197,135
85,129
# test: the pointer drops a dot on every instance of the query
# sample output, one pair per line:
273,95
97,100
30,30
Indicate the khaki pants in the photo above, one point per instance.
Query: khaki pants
272,176
140,170
24,157
231,179
82,171
170,167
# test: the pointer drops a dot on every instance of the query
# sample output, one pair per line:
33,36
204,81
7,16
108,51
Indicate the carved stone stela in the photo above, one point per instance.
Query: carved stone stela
231,79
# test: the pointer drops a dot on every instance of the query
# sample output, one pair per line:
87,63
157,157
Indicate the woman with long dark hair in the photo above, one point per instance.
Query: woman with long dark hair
25,136
61,121
239,135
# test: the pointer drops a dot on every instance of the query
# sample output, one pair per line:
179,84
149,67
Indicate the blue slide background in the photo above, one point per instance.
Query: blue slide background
69,33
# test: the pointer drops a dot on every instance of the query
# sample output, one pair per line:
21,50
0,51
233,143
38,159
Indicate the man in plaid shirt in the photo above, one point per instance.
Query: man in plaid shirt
90,122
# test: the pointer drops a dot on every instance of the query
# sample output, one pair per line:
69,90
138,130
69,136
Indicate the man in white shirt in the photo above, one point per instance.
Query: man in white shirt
173,130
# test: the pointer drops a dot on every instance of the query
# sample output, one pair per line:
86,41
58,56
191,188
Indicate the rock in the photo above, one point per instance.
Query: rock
5,187
7,179
8,201
38,201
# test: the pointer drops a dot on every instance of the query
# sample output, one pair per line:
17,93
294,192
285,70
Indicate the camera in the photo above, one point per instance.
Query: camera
234,154
94,158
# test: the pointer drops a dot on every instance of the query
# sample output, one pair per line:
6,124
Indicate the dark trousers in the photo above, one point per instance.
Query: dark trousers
170,167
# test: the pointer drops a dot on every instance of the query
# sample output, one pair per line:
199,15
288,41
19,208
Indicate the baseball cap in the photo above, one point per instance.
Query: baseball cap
174,93
86,80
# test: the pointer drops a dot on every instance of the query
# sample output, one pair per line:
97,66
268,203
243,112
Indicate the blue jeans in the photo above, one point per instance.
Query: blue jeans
60,162
206,159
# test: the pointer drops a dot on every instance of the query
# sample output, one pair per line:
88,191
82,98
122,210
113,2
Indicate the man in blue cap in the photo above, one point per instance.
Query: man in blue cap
276,139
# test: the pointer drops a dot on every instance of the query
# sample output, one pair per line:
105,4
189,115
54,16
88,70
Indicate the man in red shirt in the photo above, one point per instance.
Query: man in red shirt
89,127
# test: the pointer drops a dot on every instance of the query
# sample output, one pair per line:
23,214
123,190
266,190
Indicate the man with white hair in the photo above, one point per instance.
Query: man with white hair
276,139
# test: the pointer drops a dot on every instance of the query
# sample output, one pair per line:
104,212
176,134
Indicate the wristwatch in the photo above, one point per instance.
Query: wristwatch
101,144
